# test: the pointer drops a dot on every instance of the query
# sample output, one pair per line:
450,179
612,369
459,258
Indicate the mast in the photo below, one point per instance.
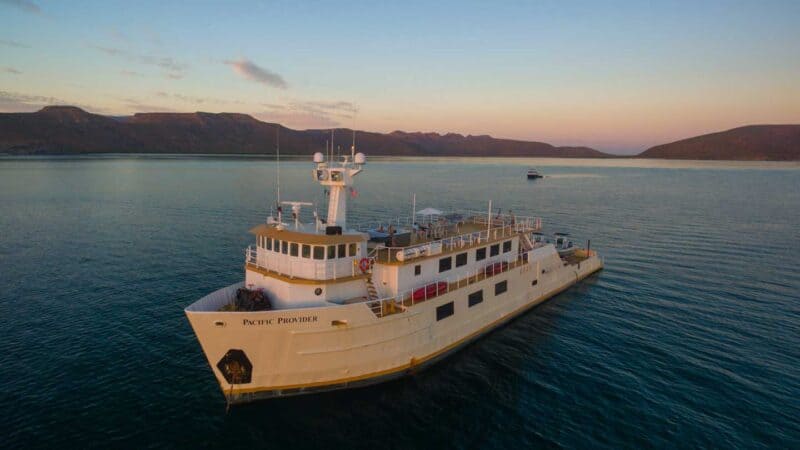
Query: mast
278,166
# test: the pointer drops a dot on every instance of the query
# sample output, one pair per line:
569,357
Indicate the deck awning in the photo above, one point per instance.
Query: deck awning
307,238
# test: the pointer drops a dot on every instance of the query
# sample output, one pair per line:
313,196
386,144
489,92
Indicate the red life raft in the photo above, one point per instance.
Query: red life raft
429,291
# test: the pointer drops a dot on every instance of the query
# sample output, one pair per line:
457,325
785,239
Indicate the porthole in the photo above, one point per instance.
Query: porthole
318,291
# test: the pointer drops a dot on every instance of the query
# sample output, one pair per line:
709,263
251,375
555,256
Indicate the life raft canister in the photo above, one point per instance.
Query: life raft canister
364,264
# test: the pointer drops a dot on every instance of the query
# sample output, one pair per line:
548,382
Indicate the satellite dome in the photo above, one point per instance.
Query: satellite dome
318,158
361,158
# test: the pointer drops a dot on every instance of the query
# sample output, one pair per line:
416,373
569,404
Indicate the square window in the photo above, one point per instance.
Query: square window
445,264
500,287
341,251
494,250
480,254
444,311
306,251
475,298
506,246
461,259
534,282
417,270
293,248
319,252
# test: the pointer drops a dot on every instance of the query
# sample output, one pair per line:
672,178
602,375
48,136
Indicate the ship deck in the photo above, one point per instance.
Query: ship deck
462,233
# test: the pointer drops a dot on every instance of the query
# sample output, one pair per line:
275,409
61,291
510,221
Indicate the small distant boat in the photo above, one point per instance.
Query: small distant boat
534,174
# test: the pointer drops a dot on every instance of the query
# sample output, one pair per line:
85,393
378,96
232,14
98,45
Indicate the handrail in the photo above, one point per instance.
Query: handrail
474,216
309,269
398,303
502,229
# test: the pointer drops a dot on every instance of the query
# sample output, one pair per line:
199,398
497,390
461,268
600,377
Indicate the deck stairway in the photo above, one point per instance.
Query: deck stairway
527,245
374,305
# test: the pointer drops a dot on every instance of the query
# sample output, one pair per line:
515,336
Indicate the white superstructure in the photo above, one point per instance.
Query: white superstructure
327,305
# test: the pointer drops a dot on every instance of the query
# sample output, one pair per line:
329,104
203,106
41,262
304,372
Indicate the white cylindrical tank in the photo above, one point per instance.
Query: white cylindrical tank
361,158
318,157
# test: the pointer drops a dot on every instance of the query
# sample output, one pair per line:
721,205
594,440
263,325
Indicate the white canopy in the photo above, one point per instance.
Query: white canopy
429,212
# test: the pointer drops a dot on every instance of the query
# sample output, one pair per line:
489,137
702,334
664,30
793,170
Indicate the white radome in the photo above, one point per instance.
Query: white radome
318,157
361,158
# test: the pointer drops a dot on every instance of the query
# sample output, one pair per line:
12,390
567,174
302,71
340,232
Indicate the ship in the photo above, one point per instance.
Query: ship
326,304
534,174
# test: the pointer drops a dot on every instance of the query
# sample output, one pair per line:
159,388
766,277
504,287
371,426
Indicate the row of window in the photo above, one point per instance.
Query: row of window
448,309
446,263
308,251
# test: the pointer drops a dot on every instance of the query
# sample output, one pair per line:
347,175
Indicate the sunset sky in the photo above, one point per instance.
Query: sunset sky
617,76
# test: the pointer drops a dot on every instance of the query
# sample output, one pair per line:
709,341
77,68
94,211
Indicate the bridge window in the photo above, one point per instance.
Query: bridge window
417,269
480,254
331,252
461,259
444,311
293,247
494,250
475,298
445,264
319,252
500,287
341,251
277,246
269,243
353,250
284,247
306,252
506,246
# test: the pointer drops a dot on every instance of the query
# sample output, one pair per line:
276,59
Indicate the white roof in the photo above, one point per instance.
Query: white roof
430,212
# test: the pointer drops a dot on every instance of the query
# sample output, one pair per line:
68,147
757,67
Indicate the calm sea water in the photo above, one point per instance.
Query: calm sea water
689,338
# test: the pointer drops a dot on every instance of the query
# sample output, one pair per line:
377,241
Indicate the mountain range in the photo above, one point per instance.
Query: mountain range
65,130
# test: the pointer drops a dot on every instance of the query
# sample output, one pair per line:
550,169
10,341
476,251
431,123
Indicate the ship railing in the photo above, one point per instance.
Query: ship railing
521,223
303,268
398,303
389,254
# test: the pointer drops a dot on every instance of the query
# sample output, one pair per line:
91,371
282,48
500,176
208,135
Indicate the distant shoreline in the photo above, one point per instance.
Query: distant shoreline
68,130
622,162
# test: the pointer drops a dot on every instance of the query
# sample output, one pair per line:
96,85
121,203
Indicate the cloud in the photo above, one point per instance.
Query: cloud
130,73
135,105
308,113
247,69
17,102
166,63
11,70
9,43
25,5
195,100
297,119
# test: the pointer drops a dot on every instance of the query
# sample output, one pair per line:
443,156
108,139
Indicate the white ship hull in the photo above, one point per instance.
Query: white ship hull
305,350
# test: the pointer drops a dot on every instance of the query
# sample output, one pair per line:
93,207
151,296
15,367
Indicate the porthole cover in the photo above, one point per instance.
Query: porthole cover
235,367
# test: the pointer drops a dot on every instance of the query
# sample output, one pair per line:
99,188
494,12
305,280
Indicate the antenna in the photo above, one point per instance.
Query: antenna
331,156
278,166
353,148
